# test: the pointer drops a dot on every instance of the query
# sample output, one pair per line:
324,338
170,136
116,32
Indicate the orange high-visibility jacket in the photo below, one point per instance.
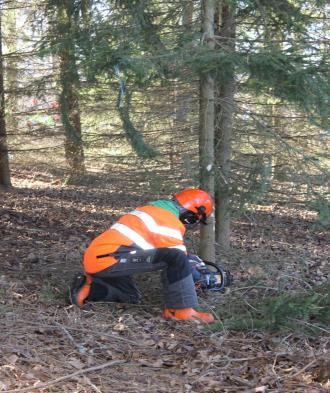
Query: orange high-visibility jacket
145,228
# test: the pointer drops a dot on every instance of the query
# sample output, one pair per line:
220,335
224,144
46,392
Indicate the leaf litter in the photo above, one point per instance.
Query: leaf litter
47,346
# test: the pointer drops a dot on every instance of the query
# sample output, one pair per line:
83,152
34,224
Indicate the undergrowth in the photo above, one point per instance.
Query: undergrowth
306,312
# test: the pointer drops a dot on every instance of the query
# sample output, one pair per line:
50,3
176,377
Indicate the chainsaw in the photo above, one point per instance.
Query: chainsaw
209,276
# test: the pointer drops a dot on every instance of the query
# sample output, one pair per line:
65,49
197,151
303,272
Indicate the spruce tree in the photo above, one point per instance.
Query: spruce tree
225,91
64,17
206,129
5,180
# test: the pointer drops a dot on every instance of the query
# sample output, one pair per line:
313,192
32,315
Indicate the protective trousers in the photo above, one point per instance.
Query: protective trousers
116,284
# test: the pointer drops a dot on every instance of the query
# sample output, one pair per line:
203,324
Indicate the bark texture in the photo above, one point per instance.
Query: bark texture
224,126
69,98
4,159
206,141
11,71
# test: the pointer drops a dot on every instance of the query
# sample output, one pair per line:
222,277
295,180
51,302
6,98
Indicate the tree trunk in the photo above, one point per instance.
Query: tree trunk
70,113
224,127
69,98
182,94
206,132
187,15
11,70
4,159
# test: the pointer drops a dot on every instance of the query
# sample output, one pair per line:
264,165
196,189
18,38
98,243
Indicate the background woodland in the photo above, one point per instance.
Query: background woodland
105,105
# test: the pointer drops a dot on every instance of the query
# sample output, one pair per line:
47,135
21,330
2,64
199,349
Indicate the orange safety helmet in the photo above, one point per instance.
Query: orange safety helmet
196,201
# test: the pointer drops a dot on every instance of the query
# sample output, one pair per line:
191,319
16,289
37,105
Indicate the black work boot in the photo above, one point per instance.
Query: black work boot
79,290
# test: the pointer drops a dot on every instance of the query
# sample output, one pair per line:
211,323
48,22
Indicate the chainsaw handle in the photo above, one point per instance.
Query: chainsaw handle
213,264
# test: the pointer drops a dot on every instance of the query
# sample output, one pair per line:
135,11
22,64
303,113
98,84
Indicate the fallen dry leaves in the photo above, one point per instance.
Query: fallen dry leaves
48,346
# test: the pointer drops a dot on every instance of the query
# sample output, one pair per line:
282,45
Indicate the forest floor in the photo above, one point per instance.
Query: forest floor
48,346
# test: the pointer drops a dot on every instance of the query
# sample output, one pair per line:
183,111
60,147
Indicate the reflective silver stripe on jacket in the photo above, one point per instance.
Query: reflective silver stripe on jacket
132,235
153,227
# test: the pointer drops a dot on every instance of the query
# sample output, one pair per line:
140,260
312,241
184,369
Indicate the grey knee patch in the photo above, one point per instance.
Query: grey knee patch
181,294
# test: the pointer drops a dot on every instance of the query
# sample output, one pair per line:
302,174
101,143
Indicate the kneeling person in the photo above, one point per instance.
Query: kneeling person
147,239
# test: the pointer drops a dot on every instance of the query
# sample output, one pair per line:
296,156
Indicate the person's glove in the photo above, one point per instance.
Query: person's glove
209,276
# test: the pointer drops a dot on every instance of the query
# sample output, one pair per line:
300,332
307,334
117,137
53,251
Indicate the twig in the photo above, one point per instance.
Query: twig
275,360
80,347
246,359
56,326
274,364
253,308
254,287
303,369
242,381
60,379
91,384
310,324
297,279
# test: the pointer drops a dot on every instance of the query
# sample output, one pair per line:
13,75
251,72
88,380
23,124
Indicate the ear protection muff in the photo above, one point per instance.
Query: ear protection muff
189,218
